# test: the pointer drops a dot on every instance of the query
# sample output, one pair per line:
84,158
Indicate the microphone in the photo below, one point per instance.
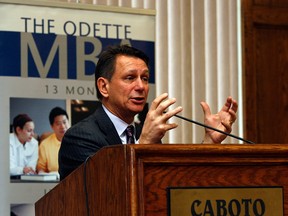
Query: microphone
215,129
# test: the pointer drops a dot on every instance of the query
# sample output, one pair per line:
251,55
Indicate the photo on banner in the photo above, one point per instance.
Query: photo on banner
22,110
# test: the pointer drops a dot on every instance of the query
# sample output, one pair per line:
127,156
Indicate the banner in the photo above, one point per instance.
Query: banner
48,54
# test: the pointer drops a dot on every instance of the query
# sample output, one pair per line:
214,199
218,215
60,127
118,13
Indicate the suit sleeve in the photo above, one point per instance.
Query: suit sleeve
79,142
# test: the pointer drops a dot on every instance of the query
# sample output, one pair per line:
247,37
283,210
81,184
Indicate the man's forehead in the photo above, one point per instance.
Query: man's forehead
130,60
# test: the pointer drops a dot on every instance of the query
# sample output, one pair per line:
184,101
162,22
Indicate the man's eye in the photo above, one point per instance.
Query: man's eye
146,79
129,77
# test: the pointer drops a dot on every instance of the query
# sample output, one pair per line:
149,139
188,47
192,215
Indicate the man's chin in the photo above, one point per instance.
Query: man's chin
137,109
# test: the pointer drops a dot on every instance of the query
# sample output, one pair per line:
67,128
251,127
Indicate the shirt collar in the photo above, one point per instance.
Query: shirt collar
119,124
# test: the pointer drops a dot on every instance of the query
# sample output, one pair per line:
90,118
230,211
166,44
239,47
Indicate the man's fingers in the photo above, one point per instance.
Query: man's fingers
234,106
227,126
170,126
233,116
205,108
162,103
165,105
155,103
168,114
230,104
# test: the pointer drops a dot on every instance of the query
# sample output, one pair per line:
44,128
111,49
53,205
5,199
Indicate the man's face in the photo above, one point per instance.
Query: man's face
60,126
128,89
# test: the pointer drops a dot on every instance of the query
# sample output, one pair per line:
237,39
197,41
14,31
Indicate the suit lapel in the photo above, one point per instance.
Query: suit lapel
108,129
106,126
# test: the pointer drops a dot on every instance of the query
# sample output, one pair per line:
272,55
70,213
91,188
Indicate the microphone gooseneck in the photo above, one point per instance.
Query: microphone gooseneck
215,129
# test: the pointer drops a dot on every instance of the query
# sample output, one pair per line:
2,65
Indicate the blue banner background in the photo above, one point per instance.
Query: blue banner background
10,54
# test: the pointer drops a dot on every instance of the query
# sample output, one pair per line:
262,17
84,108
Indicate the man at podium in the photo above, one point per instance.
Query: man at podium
121,79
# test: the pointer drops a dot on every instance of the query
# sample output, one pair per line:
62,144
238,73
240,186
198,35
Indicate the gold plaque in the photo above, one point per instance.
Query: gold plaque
225,201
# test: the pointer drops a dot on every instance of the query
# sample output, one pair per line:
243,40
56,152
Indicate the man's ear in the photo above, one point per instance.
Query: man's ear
103,86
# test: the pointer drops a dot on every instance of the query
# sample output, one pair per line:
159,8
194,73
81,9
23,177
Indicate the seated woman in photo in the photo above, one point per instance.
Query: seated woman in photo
23,146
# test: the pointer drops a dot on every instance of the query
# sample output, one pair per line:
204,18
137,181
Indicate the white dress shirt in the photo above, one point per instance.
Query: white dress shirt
120,125
22,155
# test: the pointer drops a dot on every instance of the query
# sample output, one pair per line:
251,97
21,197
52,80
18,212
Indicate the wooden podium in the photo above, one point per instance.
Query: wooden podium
132,180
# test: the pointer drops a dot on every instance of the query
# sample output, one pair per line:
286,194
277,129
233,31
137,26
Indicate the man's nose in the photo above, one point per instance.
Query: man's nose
140,83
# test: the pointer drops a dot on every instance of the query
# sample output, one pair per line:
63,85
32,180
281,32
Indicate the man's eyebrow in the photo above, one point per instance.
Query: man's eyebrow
134,70
147,71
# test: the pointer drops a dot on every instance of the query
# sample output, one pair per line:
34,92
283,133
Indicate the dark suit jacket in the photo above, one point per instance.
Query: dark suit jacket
85,139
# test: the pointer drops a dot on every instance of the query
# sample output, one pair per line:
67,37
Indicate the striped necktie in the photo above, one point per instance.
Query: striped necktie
130,134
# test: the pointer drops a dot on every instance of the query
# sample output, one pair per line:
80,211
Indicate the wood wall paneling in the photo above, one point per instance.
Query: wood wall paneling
265,34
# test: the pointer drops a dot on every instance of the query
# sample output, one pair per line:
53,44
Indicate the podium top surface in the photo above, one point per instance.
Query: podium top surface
246,149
